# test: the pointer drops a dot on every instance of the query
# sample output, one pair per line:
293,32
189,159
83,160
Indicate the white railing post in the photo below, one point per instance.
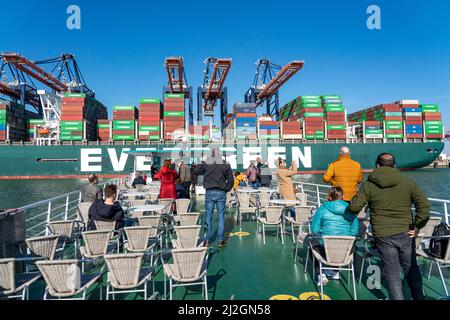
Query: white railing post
318,195
79,198
49,211
446,212
67,207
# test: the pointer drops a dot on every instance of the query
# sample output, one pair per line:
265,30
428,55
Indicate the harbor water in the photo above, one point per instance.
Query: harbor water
17,193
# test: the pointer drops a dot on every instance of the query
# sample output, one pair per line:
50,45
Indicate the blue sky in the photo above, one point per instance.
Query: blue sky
121,46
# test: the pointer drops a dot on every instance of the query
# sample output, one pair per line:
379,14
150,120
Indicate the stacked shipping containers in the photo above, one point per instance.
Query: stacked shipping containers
244,120
31,127
13,115
173,117
199,132
76,110
291,130
335,116
103,129
268,129
149,119
432,120
124,118
312,114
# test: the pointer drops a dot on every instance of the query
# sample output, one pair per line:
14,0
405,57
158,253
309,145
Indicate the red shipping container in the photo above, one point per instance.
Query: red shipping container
433,136
393,131
311,110
413,118
154,119
414,122
409,106
414,135
245,115
123,132
71,118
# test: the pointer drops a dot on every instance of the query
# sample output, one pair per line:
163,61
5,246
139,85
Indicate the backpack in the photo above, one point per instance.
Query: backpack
438,247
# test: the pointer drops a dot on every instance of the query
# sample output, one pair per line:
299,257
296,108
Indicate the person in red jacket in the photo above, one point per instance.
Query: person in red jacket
167,175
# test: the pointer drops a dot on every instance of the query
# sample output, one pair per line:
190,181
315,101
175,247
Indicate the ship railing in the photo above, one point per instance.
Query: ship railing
63,207
317,193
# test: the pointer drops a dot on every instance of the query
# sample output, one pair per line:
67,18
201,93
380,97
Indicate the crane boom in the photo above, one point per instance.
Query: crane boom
214,82
280,78
175,74
34,71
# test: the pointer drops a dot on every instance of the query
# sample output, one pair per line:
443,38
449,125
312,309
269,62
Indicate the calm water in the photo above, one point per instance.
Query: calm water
13,194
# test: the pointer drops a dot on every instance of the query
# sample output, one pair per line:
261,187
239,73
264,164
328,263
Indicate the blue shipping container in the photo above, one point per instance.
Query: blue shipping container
412,109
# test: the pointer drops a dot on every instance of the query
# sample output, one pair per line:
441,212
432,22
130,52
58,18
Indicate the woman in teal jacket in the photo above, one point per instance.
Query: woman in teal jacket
333,219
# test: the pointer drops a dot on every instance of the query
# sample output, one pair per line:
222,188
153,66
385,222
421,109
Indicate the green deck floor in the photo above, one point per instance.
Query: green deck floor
248,269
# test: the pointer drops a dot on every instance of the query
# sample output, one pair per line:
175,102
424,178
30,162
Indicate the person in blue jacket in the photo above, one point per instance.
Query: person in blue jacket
332,219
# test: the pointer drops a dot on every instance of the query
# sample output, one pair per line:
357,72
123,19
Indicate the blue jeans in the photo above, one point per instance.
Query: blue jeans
215,198
254,185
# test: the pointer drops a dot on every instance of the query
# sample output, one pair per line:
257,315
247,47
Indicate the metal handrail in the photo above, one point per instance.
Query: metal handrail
61,207
316,195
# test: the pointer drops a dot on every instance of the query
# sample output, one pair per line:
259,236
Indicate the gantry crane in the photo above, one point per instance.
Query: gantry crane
177,82
213,89
65,76
269,77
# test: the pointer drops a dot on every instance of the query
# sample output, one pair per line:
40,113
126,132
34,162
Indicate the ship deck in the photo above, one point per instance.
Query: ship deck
248,269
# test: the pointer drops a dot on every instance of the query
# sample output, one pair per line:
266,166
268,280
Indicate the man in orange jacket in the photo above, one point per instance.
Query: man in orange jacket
345,173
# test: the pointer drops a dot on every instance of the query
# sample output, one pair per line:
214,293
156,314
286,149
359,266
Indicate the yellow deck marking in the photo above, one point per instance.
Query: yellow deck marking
241,234
313,296
283,297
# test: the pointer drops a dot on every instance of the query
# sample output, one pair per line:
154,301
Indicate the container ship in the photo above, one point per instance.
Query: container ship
65,132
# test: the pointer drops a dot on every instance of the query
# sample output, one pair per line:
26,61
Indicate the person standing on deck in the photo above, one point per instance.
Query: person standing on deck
193,177
185,176
139,180
265,175
345,173
167,175
252,175
218,180
92,191
286,187
259,165
390,196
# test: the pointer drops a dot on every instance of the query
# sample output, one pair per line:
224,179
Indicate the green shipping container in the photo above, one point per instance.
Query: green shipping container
173,113
71,138
336,127
311,105
149,128
74,95
102,125
429,108
145,100
35,121
121,108
393,125
394,136
310,98
335,108
117,137
174,95
331,97
313,114
123,127
374,131
123,123
433,123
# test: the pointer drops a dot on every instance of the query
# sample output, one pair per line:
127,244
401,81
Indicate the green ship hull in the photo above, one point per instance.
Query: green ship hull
73,161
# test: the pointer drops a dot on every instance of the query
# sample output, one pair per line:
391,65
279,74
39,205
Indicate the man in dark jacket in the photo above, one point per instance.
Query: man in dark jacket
108,210
92,191
218,180
390,196
185,176
265,175
139,180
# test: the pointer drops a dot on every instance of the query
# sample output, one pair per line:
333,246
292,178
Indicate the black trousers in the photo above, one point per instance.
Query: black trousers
398,253
187,185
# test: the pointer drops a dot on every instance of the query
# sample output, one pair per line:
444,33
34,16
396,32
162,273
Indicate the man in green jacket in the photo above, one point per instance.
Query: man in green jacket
390,196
